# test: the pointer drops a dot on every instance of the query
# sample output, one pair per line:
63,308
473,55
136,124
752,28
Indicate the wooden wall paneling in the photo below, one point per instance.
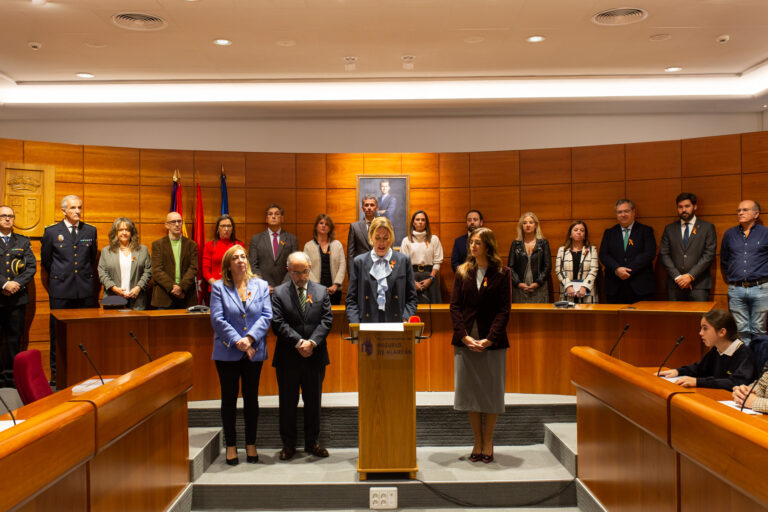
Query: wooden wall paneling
427,199
157,166
11,150
102,233
276,170
310,170
755,187
597,228
208,169
304,234
341,204
598,163
707,156
554,231
700,490
69,493
310,202
641,344
440,351
382,163
154,202
649,160
596,200
38,326
505,233
107,202
151,231
546,201
496,203
754,152
454,170
103,164
454,203
258,199
423,169
64,188
68,158
545,166
341,169
212,204
347,359
494,168
654,198
717,195
342,233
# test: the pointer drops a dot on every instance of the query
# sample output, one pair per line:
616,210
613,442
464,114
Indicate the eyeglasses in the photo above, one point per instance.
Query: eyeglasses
174,221
6,216
304,272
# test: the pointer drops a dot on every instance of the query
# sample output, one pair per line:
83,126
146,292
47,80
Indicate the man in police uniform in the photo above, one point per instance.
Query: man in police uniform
69,257
19,266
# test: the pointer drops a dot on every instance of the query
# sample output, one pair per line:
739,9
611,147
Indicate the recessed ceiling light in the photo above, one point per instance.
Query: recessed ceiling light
673,69
38,2
723,38
350,63
408,62
286,43
474,39
85,75
765,106
222,42
535,39
660,37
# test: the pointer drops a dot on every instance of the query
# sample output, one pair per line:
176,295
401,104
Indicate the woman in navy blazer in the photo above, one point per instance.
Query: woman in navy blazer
241,311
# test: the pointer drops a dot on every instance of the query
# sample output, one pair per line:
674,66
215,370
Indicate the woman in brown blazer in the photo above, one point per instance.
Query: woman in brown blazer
480,305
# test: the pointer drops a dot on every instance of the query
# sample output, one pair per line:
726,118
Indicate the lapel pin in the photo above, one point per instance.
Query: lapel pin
309,298
630,242
61,238
485,281
392,264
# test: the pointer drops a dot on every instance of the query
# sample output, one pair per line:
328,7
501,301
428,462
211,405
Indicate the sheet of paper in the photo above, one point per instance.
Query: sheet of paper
384,326
732,404
88,385
671,379
6,424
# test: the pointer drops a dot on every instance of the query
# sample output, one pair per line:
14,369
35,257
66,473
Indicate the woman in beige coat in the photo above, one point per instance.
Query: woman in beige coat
326,255
125,266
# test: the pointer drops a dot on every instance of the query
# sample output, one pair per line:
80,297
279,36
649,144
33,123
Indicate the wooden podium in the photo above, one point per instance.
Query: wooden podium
386,398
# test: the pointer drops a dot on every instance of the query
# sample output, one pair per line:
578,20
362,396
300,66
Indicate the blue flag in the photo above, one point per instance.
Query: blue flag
224,199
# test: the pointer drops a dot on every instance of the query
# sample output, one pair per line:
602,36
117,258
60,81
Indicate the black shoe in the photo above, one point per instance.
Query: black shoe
287,452
233,462
252,459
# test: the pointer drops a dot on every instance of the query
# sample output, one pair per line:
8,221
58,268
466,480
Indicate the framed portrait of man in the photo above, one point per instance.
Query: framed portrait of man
392,195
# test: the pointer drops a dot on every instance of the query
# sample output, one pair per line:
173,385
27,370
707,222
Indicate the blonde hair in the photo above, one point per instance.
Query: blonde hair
533,216
381,222
226,261
492,249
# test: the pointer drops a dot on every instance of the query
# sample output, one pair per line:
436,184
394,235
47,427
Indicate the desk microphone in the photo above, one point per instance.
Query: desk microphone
139,344
9,410
85,353
626,328
751,389
677,343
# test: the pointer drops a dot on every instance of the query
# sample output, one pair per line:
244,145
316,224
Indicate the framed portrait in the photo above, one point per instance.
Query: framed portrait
393,195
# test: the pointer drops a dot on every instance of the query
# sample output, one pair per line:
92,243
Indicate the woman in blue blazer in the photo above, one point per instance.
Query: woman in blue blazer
241,311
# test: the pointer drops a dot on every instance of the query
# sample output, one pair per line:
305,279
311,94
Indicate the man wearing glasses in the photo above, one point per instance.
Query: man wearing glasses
20,266
174,267
69,256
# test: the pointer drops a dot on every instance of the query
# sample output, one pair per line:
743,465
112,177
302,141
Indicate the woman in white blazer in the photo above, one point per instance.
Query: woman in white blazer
125,266
577,265
326,254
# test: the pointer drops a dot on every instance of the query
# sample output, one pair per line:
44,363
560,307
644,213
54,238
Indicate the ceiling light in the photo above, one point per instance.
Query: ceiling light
723,38
408,62
474,39
286,43
85,75
673,69
96,44
38,2
660,37
222,42
765,106
35,45
350,63
535,39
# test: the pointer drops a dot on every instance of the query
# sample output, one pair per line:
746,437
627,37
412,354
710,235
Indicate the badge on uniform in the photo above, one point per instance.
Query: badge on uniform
61,238
17,266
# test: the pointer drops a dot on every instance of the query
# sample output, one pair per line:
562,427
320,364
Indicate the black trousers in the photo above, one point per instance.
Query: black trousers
230,375
11,331
626,295
308,377
56,303
675,293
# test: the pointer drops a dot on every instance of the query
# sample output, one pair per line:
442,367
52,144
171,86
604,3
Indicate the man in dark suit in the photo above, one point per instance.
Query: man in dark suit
20,266
357,241
269,249
69,257
627,252
301,320
174,267
459,254
687,251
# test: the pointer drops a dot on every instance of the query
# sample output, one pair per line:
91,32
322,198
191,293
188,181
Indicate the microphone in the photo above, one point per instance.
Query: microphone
341,333
85,353
626,328
751,389
429,308
677,343
8,409
139,344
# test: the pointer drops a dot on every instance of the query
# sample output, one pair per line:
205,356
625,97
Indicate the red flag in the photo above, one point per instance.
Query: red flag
202,288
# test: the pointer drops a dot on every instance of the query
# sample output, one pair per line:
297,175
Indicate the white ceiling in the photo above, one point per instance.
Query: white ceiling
79,36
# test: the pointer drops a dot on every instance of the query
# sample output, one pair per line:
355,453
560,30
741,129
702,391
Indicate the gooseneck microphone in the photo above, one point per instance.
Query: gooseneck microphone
8,409
677,343
626,328
140,345
85,353
751,389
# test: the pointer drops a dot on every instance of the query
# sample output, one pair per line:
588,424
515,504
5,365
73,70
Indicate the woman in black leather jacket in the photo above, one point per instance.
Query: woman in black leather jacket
530,261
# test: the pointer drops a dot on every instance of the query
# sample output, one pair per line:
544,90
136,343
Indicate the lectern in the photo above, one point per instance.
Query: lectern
386,397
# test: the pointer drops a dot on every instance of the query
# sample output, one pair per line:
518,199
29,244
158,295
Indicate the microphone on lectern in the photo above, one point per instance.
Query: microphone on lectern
8,409
677,344
85,353
140,345
623,332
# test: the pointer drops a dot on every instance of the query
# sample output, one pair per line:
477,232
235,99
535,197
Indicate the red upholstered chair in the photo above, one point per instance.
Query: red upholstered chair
30,379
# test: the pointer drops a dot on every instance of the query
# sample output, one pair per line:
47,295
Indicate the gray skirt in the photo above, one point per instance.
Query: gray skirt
432,294
479,379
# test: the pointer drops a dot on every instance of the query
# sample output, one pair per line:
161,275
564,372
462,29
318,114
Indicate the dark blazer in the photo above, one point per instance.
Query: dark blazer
357,241
20,266
291,325
459,252
164,271
262,258
401,292
638,257
696,258
541,262
70,263
141,272
489,307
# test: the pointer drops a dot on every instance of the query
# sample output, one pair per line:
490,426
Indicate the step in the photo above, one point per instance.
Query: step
205,443
521,424
560,438
520,476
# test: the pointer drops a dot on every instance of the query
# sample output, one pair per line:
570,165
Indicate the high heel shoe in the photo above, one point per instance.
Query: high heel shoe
486,458
252,459
475,457
233,462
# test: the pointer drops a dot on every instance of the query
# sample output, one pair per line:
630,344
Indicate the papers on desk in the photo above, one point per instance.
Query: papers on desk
88,385
382,326
732,404
6,424
671,379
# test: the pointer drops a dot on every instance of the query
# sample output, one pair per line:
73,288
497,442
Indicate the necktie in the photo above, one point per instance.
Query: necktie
274,244
686,235
626,237
303,299
74,232
5,239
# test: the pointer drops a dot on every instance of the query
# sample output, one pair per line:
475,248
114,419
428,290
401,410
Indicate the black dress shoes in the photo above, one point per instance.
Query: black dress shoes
287,452
252,459
233,462
317,451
